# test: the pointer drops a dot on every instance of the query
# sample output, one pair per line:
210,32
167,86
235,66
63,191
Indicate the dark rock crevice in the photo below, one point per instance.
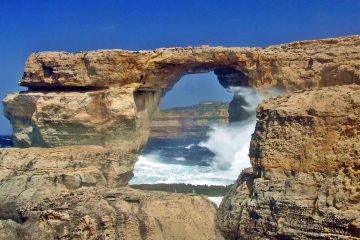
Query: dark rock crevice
65,88
229,77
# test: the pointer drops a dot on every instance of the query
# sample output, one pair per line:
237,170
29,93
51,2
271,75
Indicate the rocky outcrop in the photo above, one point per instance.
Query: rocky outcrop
32,175
305,177
121,213
80,193
118,117
188,122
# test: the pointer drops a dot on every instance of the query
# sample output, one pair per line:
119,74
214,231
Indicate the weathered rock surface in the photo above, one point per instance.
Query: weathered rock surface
118,213
306,176
80,193
117,117
31,175
309,131
188,122
296,65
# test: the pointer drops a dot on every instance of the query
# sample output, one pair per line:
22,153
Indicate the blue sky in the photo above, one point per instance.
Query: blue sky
74,25
190,91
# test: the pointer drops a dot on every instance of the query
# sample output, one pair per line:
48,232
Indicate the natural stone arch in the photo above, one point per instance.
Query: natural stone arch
107,97
109,116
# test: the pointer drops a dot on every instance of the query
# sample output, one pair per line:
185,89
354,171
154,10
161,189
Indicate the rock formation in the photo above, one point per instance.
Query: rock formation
81,193
107,97
121,213
296,65
90,113
305,177
118,116
188,122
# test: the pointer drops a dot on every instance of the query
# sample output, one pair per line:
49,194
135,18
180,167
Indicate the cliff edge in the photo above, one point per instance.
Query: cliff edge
305,178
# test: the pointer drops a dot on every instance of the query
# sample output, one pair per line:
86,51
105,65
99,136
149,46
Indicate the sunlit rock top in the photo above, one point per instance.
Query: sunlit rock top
295,65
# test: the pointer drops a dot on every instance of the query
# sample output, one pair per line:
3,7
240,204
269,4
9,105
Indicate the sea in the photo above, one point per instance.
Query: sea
5,141
217,159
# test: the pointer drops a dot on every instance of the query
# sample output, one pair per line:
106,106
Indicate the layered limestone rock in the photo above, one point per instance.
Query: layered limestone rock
80,193
32,175
107,97
120,213
296,65
306,176
188,122
117,117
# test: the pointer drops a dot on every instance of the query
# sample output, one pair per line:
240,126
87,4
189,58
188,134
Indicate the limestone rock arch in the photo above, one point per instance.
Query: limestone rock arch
107,97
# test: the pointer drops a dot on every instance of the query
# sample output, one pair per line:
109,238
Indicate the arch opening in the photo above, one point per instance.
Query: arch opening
200,137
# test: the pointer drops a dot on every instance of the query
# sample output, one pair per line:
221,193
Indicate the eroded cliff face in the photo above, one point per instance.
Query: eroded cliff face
188,122
305,177
118,117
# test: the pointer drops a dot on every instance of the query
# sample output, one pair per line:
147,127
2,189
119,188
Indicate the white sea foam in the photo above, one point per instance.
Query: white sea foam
180,159
150,169
216,200
230,144
190,146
